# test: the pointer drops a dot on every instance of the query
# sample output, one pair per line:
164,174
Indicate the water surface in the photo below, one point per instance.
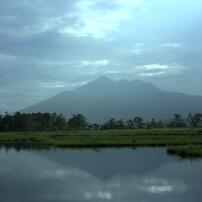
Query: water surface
117,175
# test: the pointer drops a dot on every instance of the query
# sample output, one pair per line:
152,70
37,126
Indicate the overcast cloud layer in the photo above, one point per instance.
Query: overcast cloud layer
49,46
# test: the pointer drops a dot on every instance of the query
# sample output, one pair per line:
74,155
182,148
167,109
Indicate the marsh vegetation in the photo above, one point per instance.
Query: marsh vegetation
167,137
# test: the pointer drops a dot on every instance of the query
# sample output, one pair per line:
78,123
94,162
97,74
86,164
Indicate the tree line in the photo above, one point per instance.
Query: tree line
57,122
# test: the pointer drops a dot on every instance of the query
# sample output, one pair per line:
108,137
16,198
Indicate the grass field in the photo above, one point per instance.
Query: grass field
187,151
186,142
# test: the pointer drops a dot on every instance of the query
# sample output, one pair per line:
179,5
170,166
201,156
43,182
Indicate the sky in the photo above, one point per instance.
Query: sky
49,46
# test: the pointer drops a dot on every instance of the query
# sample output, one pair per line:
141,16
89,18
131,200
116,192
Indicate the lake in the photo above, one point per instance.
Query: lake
118,175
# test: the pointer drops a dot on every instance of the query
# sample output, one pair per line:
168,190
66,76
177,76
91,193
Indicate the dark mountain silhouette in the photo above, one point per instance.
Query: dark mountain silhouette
103,99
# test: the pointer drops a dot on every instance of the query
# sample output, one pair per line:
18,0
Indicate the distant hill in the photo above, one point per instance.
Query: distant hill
103,99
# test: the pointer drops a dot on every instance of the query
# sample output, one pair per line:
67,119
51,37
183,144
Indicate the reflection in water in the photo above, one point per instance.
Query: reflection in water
18,146
144,174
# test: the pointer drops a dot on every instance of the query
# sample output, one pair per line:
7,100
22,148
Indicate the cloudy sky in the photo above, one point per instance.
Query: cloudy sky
49,46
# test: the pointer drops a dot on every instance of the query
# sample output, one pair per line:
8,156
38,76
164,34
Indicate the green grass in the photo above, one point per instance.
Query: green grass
168,137
188,151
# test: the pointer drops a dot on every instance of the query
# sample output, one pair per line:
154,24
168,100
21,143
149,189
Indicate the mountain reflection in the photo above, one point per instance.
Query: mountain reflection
145,174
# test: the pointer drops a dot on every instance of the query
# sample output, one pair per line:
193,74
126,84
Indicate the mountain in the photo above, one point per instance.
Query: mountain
103,99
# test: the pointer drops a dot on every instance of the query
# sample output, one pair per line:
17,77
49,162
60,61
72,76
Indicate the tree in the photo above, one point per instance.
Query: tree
59,122
178,122
120,124
154,124
130,124
138,122
6,122
95,126
195,120
1,122
77,122
111,124
19,122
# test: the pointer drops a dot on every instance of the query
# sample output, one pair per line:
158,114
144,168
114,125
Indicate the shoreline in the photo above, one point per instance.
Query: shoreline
184,142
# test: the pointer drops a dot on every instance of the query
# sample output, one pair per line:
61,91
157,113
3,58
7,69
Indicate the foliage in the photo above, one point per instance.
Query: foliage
195,120
94,126
187,151
108,138
32,122
111,124
77,122
130,124
154,124
54,122
178,122
138,122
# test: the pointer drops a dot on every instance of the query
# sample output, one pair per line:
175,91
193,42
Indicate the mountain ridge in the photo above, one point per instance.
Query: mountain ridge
102,99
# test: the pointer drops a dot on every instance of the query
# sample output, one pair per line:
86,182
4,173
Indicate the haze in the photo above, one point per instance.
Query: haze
47,47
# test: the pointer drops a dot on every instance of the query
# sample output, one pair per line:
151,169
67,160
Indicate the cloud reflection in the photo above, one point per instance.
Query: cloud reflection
39,178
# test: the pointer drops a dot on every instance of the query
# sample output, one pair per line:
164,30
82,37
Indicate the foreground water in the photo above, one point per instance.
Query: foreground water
118,175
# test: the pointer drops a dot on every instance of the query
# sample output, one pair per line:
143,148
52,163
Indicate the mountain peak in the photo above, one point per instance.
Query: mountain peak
103,79
105,84
103,99
100,83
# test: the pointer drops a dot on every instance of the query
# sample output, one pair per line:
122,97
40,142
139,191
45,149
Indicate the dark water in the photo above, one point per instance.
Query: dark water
118,175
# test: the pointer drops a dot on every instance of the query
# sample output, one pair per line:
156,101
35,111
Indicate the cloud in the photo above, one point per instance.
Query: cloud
172,45
43,178
158,70
154,67
99,195
25,19
63,43
98,22
130,2
146,48
93,22
5,57
112,72
151,74
138,49
95,64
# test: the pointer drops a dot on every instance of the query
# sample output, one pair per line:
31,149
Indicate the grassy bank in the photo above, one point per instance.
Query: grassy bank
112,138
187,151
